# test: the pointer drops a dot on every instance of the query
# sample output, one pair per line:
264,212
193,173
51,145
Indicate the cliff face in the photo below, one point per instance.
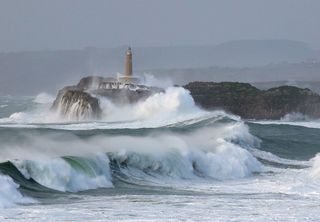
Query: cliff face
249,102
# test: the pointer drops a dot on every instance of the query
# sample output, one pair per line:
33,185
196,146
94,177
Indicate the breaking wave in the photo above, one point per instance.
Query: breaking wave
72,164
9,193
175,104
68,173
315,170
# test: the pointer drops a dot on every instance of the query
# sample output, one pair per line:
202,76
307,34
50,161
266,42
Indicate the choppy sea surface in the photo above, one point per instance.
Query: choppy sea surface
163,159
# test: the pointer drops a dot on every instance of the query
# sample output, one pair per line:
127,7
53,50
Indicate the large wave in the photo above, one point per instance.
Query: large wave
9,194
72,164
68,173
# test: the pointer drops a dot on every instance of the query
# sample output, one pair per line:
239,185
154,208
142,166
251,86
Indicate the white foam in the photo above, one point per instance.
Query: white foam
294,117
151,80
44,98
18,116
275,159
59,174
178,120
208,152
76,112
9,194
315,170
315,124
204,154
175,105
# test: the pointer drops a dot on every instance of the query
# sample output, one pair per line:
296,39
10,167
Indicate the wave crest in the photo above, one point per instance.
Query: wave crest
68,174
9,194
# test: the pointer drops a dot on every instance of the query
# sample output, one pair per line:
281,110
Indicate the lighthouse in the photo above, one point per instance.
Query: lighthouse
127,77
128,63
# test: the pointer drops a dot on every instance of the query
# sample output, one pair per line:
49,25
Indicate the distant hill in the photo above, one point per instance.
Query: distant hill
31,72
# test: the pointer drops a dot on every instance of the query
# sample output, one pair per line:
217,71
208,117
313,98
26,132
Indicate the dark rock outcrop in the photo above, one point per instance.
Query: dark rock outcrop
249,102
79,101
76,105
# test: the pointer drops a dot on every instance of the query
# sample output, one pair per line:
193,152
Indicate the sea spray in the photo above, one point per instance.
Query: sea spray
175,104
225,161
151,80
9,193
69,173
315,169
204,153
175,100
76,105
44,98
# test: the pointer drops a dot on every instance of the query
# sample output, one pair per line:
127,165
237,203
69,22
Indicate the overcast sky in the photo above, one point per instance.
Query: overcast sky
74,24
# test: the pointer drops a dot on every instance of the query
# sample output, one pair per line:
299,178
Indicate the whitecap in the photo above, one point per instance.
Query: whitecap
9,193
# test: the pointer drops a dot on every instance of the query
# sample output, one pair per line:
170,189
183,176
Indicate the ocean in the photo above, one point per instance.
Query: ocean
162,159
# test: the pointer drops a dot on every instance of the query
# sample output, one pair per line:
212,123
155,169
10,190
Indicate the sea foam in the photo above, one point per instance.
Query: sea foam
68,174
9,193
43,98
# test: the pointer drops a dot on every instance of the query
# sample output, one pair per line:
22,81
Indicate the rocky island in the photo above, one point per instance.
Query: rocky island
241,99
249,102
81,101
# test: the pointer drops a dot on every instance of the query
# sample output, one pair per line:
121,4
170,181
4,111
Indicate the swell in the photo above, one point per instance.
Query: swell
9,169
286,141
